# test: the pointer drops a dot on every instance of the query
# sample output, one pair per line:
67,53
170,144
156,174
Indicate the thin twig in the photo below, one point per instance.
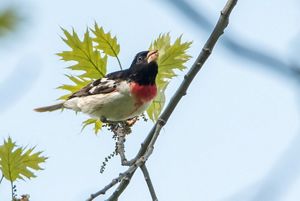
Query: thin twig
123,185
149,182
150,148
116,180
103,191
148,144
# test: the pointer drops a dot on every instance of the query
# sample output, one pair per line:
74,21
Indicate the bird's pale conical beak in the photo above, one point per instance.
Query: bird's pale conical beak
152,56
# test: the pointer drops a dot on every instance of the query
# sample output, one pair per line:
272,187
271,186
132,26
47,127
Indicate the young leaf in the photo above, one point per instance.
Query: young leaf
105,42
82,52
78,84
18,163
157,105
172,57
97,124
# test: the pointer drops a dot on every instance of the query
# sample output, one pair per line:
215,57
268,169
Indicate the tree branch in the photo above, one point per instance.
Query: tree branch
148,144
123,185
149,182
120,131
126,178
103,191
121,178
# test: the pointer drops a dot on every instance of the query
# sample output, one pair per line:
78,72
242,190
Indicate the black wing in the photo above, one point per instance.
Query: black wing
100,86
103,85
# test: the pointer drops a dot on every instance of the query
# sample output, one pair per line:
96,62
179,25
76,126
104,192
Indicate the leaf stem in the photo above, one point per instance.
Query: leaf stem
120,65
12,189
1,178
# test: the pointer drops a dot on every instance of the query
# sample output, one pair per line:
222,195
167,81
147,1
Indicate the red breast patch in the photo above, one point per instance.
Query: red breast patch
143,93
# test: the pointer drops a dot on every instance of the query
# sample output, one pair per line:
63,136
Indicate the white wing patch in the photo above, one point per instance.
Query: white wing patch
104,85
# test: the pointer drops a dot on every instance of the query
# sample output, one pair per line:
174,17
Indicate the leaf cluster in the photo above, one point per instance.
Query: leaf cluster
172,57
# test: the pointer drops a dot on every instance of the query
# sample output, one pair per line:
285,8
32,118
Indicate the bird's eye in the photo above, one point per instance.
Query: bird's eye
140,58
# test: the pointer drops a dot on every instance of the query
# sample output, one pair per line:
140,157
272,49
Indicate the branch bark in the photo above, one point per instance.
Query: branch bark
148,144
149,182
123,185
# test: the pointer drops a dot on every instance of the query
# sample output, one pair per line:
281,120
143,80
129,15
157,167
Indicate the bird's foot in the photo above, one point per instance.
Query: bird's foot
131,122
128,122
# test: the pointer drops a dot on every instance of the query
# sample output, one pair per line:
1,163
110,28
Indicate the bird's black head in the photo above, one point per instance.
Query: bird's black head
140,58
145,57
144,67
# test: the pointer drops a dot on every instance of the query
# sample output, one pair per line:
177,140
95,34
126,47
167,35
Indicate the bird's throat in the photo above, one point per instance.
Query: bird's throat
143,93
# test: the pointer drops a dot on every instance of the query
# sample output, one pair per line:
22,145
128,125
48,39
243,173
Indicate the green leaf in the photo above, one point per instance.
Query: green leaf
105,42
78,83
87,59
172,57
96,123
17,162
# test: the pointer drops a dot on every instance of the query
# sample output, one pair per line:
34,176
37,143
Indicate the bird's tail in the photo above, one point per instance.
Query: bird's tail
50,108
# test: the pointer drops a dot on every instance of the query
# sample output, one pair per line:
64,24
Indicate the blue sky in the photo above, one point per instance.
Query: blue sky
222,142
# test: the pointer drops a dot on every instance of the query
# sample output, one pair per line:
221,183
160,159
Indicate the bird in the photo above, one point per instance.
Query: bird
118,96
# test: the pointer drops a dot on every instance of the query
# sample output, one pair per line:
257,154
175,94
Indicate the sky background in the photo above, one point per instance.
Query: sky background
233,137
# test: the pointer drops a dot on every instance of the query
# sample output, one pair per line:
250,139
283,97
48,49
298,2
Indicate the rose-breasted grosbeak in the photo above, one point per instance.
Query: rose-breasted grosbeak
118,96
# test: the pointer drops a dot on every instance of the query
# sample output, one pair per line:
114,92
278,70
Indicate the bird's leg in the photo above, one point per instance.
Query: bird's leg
131,122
